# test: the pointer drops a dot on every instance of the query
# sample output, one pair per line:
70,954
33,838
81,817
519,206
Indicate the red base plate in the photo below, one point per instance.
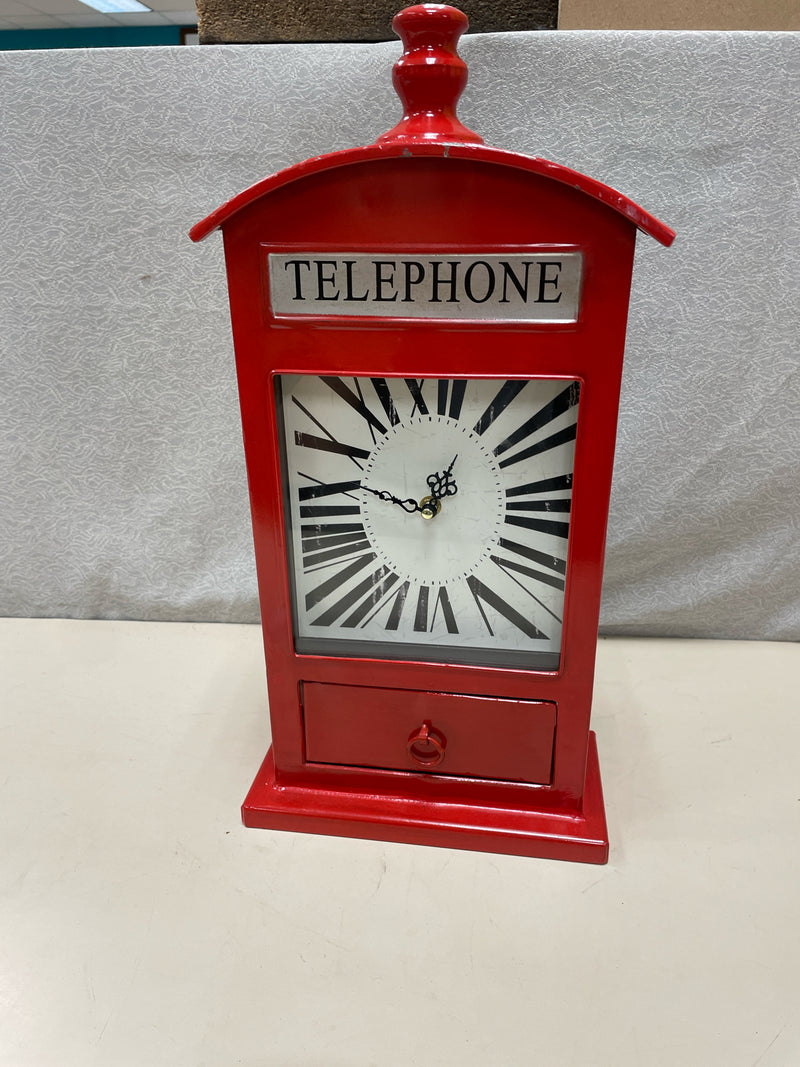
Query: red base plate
514,831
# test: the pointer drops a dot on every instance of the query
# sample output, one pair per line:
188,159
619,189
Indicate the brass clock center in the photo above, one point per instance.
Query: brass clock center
429,507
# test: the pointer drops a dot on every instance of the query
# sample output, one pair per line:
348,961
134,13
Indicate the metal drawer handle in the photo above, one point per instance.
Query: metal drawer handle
426,746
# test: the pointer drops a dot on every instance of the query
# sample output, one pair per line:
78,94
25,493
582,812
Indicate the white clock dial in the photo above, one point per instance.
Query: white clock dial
429,518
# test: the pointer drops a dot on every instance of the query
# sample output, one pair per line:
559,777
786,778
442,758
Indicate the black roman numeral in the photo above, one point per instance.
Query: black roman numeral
539,505
424,622
385,397
540,576
395,614
324,542
443,601
421,614
322,511
415,388
507,566
328,443
326,510
452,391
307,440
545,485
553,563
501,401
549,504
565,400
553,441
355,400
362,596
313,492
483,594
548,526
330,585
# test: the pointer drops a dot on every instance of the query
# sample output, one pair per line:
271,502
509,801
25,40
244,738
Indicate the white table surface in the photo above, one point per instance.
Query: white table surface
141,924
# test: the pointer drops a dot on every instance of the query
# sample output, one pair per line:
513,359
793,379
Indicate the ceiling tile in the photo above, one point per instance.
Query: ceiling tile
180,18
88,21
55,7
9,9
34,21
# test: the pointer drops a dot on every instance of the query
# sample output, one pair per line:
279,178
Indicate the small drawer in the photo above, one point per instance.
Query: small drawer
439,733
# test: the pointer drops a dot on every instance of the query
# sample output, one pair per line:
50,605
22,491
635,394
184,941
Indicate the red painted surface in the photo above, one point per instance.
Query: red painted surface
465,735
330,769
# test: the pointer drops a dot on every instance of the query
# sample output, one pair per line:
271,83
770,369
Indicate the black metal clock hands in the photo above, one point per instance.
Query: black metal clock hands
440,485
407,505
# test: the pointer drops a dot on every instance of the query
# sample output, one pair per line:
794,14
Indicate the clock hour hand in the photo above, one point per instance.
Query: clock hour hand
407,505
440,485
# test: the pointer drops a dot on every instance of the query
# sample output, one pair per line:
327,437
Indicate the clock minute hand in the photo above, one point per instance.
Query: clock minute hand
407,505
442,485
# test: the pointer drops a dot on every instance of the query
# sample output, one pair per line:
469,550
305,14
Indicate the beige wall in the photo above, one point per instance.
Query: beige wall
679,15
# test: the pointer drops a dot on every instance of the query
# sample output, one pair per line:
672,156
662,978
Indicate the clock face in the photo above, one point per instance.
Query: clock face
428,519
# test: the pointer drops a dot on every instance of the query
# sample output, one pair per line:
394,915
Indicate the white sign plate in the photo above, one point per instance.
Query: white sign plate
533,286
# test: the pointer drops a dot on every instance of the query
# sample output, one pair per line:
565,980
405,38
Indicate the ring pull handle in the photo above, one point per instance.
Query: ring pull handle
426,746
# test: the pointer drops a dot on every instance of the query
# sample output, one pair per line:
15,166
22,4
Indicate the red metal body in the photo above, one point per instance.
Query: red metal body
520,773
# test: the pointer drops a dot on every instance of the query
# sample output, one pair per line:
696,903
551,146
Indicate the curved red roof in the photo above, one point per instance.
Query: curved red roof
478,152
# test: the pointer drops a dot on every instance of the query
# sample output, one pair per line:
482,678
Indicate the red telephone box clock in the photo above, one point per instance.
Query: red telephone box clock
429,337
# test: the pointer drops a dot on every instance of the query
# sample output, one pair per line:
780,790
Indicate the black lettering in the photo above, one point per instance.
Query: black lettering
544,281
380,281
348,270
452,281
322,280
489,281
409,281
297,264
509,275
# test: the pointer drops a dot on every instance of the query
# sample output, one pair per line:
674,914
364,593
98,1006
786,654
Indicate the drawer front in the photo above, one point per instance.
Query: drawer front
439,733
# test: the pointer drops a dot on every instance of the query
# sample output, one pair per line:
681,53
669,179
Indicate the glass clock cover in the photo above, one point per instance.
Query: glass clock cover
428,518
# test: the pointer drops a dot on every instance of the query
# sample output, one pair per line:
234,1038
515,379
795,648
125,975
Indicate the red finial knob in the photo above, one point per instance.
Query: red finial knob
430,75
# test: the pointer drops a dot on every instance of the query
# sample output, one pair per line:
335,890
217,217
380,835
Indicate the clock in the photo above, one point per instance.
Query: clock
428,518
429,337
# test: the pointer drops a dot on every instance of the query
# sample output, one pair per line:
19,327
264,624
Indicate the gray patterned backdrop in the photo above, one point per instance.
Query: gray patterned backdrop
122,483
